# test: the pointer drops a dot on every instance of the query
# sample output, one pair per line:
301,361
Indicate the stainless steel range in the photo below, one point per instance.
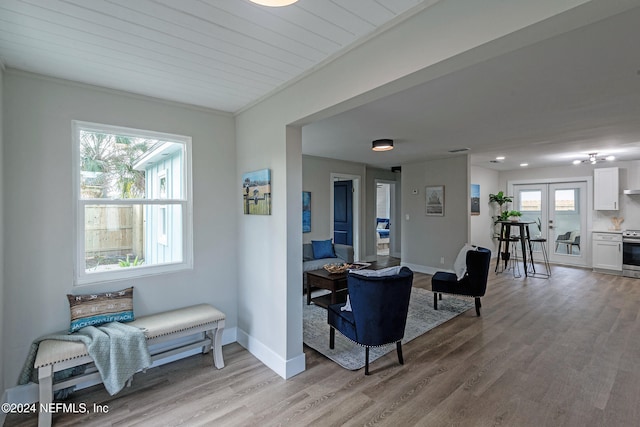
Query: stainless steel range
631,253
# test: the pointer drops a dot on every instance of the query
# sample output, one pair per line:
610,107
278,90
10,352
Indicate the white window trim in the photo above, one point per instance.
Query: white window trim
81,277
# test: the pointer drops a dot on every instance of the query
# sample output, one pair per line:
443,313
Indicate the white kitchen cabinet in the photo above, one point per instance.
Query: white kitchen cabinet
607,251
606,189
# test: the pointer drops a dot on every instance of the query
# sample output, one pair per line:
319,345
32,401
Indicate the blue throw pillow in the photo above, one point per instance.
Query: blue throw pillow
322,249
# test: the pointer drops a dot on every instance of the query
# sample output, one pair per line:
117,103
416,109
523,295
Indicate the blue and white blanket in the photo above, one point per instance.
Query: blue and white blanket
118,351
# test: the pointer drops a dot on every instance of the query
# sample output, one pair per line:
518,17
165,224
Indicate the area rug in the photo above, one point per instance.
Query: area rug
421,318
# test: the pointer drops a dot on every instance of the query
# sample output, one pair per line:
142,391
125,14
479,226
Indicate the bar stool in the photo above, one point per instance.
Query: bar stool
503,255
513,259
545,257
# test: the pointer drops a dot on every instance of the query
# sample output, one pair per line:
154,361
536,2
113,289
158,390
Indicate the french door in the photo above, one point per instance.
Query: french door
559,213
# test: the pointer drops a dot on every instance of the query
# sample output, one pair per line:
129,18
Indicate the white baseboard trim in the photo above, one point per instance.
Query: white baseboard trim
229,335
424,268
285,368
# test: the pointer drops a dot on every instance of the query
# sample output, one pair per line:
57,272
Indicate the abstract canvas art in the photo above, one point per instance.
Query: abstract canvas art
306,211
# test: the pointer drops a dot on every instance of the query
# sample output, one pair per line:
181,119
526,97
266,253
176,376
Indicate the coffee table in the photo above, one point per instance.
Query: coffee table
336,283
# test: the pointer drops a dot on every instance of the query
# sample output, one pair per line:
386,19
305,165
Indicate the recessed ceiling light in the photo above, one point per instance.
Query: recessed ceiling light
610,158
500,158
577,162
524,164
274,3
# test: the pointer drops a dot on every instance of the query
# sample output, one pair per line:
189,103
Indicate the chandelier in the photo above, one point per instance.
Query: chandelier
593,159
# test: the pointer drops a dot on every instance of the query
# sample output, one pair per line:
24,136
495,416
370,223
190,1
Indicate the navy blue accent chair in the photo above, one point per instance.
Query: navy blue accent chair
473,284
379,311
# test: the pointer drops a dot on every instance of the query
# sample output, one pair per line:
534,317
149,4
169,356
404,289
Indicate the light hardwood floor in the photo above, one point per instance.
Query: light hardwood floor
563,351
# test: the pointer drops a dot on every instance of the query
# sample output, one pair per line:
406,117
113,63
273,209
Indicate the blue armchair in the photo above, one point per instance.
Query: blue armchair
379,311
473,284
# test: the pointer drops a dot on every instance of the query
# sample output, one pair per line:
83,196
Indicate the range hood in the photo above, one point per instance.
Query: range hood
633,183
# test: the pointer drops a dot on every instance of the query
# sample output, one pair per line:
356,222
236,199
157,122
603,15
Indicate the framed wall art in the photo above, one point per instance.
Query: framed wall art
475,199
256,192
434,195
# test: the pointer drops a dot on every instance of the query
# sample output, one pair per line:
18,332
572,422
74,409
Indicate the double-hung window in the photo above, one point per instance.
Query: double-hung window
133,202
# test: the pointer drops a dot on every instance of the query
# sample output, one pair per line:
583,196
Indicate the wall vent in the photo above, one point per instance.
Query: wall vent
459,150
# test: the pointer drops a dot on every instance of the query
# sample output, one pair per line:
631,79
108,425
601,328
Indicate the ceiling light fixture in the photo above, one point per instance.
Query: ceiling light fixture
500,158
593,159
382,145
274,3
524,164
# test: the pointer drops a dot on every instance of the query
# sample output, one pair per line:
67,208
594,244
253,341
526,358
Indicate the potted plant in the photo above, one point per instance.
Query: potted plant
514,216
501,200
503,213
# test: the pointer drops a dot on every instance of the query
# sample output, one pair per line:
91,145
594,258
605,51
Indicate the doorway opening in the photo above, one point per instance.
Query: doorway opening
383,216
386,231
345,224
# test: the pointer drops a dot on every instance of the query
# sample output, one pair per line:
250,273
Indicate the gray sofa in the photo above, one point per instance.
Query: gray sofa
344,253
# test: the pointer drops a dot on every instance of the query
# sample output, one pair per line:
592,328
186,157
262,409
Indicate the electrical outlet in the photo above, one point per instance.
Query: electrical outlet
441,260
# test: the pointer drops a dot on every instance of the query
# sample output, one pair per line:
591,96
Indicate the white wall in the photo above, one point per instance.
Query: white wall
270,254
39,206
426,239
2,272
482,225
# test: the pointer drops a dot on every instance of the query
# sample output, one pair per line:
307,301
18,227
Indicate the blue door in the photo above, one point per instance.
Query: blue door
343,212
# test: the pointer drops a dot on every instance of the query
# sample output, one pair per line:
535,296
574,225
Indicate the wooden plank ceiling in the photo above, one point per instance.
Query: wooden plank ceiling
221,54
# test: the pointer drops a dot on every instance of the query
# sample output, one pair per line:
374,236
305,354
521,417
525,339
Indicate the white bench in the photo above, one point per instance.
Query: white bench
54,356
